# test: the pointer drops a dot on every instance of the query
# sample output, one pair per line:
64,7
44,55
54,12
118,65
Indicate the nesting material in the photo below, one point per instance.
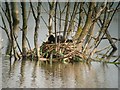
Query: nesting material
62,52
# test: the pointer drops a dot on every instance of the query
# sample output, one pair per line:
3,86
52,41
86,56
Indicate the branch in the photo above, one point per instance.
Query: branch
17,43
44,22
64,7
117,59
33,11
29,14
117,39
4,28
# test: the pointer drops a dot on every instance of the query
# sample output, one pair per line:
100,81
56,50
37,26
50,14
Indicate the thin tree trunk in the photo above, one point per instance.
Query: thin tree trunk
55,26
97,12
71,24
36,30
79,27
66,20
89,38
24,32
51,14
15,18
37,21
60,18
86,27
9,19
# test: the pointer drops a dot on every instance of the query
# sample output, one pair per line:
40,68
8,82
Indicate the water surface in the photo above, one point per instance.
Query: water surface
32,74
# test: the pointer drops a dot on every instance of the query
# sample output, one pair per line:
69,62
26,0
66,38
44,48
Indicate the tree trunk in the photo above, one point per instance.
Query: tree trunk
15,18
9,19
24,32
55,27
71,24
36,30
66,20
89,38
86,27
37,21
79,27
51,13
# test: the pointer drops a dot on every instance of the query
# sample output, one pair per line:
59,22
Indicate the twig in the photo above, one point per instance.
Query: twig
44,22
117,39
117,59
33,10
17,44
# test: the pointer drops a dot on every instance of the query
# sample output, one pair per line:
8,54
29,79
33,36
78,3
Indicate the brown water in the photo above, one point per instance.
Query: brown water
32,74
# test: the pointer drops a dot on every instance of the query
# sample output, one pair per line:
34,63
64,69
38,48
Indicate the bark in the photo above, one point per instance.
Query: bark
89,38
71,24
55,25
15,18
24,32
51,14
97,13
66,20
37,21
79,27
9,19
37,29
60,18
86,27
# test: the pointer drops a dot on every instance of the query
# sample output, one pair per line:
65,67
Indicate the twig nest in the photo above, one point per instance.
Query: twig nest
62,52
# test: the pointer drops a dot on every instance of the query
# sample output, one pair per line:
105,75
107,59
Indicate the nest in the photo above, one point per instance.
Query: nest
61,52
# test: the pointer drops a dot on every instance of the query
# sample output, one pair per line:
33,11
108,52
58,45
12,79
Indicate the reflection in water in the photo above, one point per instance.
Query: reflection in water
22,70
36,74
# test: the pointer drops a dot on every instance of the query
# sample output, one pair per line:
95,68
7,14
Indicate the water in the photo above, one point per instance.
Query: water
32,74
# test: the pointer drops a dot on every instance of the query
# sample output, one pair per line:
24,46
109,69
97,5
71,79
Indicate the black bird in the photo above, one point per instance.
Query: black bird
51,39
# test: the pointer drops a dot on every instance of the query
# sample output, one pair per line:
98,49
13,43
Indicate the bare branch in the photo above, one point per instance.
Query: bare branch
33,12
